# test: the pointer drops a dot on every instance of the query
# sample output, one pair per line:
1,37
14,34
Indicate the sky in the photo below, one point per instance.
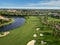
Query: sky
30,4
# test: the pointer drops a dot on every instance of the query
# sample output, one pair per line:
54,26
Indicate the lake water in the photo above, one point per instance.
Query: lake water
19,21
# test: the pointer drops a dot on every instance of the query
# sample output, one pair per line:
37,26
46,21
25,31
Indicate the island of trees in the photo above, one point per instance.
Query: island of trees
5,21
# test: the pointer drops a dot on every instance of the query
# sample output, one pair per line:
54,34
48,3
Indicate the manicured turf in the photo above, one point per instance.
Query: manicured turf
48,34
53,19
21,35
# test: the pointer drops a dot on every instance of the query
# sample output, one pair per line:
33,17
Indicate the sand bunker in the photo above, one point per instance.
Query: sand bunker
41,34
4,34
37,29
32,42
35,35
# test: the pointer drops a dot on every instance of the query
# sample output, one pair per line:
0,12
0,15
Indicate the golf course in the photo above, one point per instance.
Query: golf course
23,34
29,22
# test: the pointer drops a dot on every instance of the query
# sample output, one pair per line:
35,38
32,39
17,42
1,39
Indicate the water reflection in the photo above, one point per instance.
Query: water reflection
18,22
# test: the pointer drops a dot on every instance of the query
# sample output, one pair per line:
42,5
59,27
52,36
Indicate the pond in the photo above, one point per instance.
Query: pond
19,21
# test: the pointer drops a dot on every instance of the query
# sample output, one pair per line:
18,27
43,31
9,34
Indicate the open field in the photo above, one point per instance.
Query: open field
23,34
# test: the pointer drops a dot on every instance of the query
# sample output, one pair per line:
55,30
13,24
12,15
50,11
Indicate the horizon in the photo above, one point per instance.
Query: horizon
26,8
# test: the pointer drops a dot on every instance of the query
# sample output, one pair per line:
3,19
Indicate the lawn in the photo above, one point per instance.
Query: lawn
53,19
23,34
48,37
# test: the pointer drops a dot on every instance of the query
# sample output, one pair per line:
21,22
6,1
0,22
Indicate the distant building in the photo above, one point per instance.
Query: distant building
11,10
1,17
52,13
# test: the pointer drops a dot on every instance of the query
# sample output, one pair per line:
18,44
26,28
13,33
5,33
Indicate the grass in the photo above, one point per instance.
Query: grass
49,37
23,34
53,19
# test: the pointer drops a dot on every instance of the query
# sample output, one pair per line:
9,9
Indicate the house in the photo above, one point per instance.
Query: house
11,10
1,17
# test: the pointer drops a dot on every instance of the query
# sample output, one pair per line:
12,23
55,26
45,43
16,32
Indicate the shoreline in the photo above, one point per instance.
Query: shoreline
4,34
12,20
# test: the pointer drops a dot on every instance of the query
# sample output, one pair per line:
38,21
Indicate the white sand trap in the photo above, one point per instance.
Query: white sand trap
42,42
4,34
32,42
41,34
35,35
45,42
37,29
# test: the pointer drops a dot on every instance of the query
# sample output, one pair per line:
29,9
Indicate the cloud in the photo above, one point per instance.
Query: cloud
48,4
51,3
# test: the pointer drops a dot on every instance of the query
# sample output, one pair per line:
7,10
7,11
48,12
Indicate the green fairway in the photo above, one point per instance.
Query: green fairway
21,35
53,19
